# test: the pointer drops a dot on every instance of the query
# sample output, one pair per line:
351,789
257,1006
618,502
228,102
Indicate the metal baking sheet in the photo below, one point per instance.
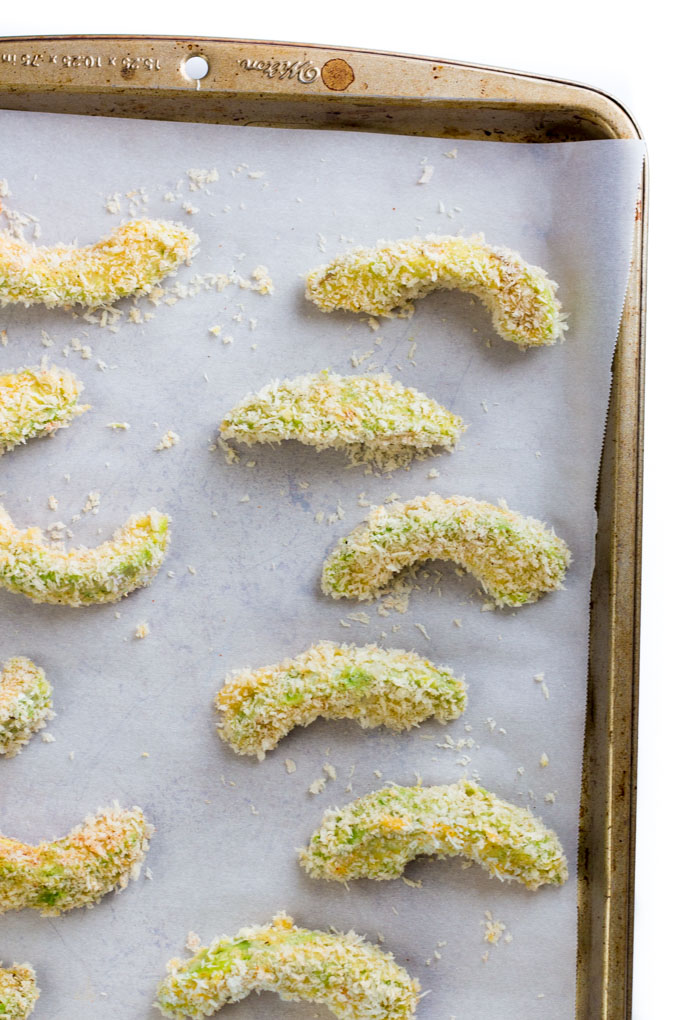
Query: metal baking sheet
587,872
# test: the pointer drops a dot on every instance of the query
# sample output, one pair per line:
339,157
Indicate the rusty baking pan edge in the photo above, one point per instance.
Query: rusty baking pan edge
298,85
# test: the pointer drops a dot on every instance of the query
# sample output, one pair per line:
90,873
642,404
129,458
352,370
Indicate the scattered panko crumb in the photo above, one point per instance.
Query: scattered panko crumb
112,204
433,473
122,425
549,798
260,275
411,883
458,622
142,630
215,330
318,785
92,503
148,873
520,770
290,766
47,738
426,175
198,179
545,760
192,570
493,929
485,957
52,502
245,499
193,942
71,755
377,773
330,770
169,439
421,628
145,754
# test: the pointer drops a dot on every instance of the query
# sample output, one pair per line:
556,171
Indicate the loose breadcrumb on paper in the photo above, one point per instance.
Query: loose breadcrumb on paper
47,738
330,771
317,786
199,179
142,630
545,760
493,929
193,942
290,766
426,175
92,503
169,439
52,502
118,426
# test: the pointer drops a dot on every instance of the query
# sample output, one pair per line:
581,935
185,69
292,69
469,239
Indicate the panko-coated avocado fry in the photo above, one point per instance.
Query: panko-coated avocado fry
377,281
82,576
516,559
100,855
354,979
18,991
376,686
372,417
36,402
377,835
131,260
25,704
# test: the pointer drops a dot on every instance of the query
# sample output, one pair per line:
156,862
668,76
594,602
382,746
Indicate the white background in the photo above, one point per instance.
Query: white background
629,51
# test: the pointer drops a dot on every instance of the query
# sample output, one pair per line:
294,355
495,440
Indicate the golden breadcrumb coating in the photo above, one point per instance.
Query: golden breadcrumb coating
372,417
25,704
83,576
18,991
131,260
380,280
517,559
353,978
377,835
36,402
100,855
376,686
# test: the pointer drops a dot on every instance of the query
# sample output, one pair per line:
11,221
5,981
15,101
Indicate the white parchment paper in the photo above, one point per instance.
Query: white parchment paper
135,719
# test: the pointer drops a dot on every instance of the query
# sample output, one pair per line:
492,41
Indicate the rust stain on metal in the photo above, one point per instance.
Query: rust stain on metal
337,74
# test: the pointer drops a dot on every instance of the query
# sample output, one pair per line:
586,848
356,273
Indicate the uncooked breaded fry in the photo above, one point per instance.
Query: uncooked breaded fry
36,402
517,559
100,855
372,417
376,686
377,835
18,991
354,979
131,260
82,576
25,704
380,280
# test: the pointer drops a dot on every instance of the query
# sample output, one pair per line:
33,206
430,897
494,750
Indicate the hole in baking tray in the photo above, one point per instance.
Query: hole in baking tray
196,68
